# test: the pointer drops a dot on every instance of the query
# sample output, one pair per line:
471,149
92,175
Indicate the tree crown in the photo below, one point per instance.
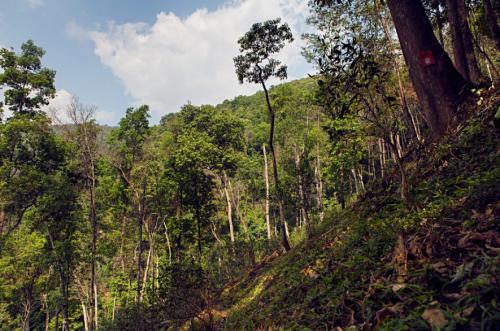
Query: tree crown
255,64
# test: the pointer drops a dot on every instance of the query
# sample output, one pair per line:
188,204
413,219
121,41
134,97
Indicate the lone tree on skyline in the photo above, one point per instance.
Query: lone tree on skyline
255,65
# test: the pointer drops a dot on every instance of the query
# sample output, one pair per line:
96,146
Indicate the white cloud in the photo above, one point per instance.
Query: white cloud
35,3
180,59
57,110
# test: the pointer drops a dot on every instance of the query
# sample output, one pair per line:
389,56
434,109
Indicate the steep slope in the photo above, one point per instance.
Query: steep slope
346,275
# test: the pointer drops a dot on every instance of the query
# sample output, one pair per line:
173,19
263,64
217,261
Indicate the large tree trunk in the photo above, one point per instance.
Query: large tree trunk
437,83
475,74
463,46
457,41
277,186
492,22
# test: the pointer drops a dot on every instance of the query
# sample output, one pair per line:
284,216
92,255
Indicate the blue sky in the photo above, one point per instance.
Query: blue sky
120,53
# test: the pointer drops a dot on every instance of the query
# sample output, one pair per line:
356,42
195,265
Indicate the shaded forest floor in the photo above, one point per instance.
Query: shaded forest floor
345,275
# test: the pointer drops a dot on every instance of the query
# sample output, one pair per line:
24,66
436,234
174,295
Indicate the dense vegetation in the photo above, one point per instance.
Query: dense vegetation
363,197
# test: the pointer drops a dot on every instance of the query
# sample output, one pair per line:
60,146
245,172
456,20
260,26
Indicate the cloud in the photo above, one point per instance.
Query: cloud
35,3
176,60
57,110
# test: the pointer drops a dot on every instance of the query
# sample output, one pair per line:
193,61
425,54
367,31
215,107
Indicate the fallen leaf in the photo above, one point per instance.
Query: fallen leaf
397,287
439,267
309,272
467,311
435,317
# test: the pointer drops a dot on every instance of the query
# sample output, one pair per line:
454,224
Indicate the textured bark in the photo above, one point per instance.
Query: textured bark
475,74
463,46
459,58
439,84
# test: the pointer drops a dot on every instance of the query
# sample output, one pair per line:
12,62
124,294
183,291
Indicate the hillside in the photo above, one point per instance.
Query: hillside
344,276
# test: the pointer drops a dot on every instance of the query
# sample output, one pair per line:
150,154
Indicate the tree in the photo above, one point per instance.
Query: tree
255,65
28,85
436,81
491,17
128,140
83,133
463,47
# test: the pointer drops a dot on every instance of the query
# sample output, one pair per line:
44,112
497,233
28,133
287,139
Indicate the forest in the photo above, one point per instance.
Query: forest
362,197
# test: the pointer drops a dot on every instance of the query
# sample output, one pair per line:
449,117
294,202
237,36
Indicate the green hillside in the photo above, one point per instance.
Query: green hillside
345,275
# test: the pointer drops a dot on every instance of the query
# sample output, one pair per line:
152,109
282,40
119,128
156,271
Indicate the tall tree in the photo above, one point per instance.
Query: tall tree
28,85
436,81
128,140
255,65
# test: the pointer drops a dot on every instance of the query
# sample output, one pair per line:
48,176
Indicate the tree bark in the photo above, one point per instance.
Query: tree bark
459,58
437,83
463,46
491,17
475,74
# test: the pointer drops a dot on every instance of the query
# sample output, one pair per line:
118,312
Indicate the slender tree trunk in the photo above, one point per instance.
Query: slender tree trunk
302,203
319,188
93,222
381,156
437,83
167,238
355,178
146,270
225,183
279,193
85,317
140,221
96,306
492,22
266,180
114,308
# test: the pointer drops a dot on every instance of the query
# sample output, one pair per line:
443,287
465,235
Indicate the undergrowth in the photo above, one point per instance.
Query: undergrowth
343,276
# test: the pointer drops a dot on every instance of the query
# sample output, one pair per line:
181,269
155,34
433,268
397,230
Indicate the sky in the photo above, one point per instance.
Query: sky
116,54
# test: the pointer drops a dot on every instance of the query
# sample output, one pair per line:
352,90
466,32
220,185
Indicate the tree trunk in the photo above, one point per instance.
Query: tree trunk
437,83
457,41
463,46
266,179
140,220
96,307
85,317
491,17
475,74
302,201
319,188
279,193
225,183
167,238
